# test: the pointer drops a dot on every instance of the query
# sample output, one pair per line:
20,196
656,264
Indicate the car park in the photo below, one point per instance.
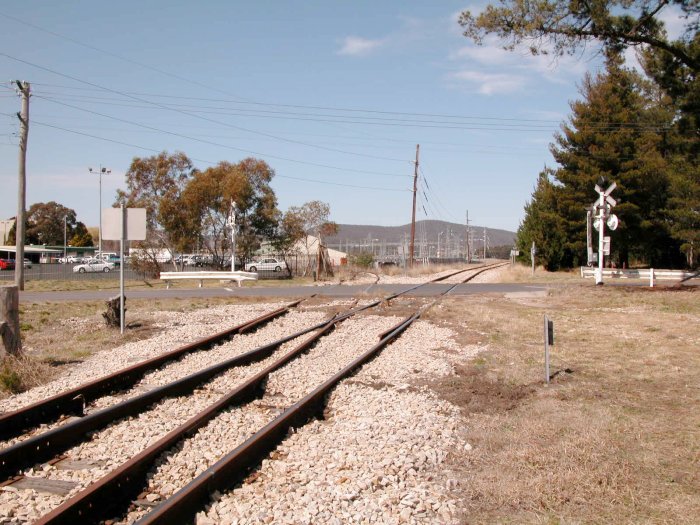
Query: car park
7,264
266,264
91,267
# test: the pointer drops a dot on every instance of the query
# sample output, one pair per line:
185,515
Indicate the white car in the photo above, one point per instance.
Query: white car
267,264
93,267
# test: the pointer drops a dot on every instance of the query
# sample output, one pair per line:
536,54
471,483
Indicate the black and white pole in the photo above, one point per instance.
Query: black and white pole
232,223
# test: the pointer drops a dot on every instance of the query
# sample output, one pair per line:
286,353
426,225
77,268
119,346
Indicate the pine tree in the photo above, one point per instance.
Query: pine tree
616,133
543,225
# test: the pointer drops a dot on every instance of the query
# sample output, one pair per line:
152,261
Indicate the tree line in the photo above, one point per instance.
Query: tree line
191,210
640,130
50,223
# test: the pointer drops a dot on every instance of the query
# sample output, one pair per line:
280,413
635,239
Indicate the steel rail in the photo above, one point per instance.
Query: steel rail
52,442
73,401
121,483
479,272
101,499
233,467
32,451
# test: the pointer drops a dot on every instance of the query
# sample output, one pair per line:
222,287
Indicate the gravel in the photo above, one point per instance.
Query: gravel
376,458
178,330
117,443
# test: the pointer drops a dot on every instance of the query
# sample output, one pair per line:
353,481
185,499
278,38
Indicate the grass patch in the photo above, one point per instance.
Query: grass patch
614,438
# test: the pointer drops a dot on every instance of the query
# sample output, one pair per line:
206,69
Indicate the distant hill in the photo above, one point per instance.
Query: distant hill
430,233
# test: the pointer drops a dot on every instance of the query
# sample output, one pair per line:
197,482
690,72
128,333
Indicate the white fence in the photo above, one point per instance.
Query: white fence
649,274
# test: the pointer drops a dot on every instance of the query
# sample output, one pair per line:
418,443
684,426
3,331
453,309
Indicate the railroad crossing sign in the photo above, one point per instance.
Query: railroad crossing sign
603,207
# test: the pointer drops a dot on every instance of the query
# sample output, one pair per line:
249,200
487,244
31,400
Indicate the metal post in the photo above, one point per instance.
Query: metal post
65,236
102,171
233,236
601,234
546,349
533,251
121,269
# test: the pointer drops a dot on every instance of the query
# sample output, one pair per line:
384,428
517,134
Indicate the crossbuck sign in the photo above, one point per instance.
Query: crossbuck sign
603,215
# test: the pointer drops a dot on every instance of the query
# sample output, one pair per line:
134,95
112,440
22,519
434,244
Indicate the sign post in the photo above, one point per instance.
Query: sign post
533,251
123,224
548,341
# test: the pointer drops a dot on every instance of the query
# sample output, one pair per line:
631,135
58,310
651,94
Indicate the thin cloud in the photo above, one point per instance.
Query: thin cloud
489,83
358,46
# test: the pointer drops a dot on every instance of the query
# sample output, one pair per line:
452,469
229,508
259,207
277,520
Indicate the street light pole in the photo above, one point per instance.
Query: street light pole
65,236
102,171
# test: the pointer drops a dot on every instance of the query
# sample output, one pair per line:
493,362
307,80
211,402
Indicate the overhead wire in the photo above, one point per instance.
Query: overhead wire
211,143
44,124
187,113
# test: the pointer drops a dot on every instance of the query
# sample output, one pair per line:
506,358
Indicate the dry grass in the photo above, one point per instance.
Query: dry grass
616,440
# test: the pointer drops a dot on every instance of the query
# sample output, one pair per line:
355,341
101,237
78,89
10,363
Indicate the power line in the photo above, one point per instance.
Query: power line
317,181
211,143
189,114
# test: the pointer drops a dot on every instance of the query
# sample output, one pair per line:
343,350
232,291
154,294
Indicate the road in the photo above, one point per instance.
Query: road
332,291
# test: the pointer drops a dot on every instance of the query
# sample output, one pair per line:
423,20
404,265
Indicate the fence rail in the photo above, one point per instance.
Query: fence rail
649,274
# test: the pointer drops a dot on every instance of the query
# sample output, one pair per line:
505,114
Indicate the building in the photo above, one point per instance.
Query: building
5,227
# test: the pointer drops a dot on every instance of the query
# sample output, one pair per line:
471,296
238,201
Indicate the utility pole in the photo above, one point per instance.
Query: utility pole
484,242
413,216
24,89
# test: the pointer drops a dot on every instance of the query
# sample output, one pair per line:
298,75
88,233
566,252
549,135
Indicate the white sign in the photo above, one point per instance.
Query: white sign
135,224
606,245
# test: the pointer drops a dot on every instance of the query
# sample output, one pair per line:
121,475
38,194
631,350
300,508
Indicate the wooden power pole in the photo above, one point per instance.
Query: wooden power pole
413,216
22,191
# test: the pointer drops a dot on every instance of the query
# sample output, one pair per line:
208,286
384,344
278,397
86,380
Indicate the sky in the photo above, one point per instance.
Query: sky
334,96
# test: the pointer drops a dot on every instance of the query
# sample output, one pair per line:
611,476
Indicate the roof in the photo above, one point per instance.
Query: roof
30,249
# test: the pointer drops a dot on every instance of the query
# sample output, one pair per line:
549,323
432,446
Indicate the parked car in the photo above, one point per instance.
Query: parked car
113,259
194,260
72,259
7,264
267,264
100,266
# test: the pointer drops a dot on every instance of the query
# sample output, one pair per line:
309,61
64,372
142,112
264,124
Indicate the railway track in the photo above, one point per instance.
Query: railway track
252,390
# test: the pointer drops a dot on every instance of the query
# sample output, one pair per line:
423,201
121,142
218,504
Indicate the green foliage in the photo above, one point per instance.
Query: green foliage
564,27
81,236
641,135
10,381
45,225
362,259
208,198
543,225
617,132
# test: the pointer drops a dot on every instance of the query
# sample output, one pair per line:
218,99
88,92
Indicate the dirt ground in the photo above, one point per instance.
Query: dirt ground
614,438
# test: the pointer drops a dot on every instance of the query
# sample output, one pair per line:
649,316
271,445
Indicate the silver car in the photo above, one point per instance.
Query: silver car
93,267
